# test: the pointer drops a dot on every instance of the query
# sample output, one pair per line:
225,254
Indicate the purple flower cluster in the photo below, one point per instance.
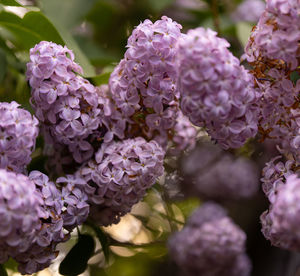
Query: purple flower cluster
182,137
20,213
211,173
119,177
67,105
18,132
249,11
64,206
280,224
143,84
210,244
273,51
274,175
279,114
216,91
277,34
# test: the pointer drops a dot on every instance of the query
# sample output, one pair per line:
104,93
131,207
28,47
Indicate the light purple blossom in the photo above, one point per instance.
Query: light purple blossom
211,173
20,213
143,84
280,224
18,132
249,10
68,106
216,91
119,177
212,246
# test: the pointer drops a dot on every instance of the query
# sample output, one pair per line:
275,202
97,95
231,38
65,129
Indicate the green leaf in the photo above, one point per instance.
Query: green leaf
3,65
80,57
76,260
3,271
10,3
295,76
158,5
243,32
103,239
79,9
187,206
30,30
101,79
11,264
41,25
35,27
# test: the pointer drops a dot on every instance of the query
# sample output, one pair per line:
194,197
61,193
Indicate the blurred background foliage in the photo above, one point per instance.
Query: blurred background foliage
97,32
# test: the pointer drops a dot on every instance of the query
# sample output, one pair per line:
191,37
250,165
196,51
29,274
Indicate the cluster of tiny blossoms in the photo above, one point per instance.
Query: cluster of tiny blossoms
210,244
67,105
63,206
273,51
143,84
18,132
216,91
249,10
119,177
282,186
209,172
20,213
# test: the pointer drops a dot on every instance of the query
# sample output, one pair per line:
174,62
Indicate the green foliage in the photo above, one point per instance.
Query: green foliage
76,260
3,271
10,3
3,65
243,32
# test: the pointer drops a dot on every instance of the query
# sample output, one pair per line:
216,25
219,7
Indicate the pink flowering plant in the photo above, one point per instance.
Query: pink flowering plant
156,157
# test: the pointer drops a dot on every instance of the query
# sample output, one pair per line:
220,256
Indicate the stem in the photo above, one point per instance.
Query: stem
215,12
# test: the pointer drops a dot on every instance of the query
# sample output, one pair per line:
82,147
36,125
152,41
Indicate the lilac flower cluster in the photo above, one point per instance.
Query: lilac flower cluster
18,132
216,91
119,177
63,208
211,173
249,11
277,34
143,84
280,224
67,105
180,138
20,213
273,51
279,112
210,244
274,175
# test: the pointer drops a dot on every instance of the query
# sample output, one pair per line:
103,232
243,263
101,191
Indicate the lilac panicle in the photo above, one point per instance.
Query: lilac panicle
18,132
280,223
20,213
274,53
143,84
211,246
67,105
119,176
216,91
211,173
64,207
